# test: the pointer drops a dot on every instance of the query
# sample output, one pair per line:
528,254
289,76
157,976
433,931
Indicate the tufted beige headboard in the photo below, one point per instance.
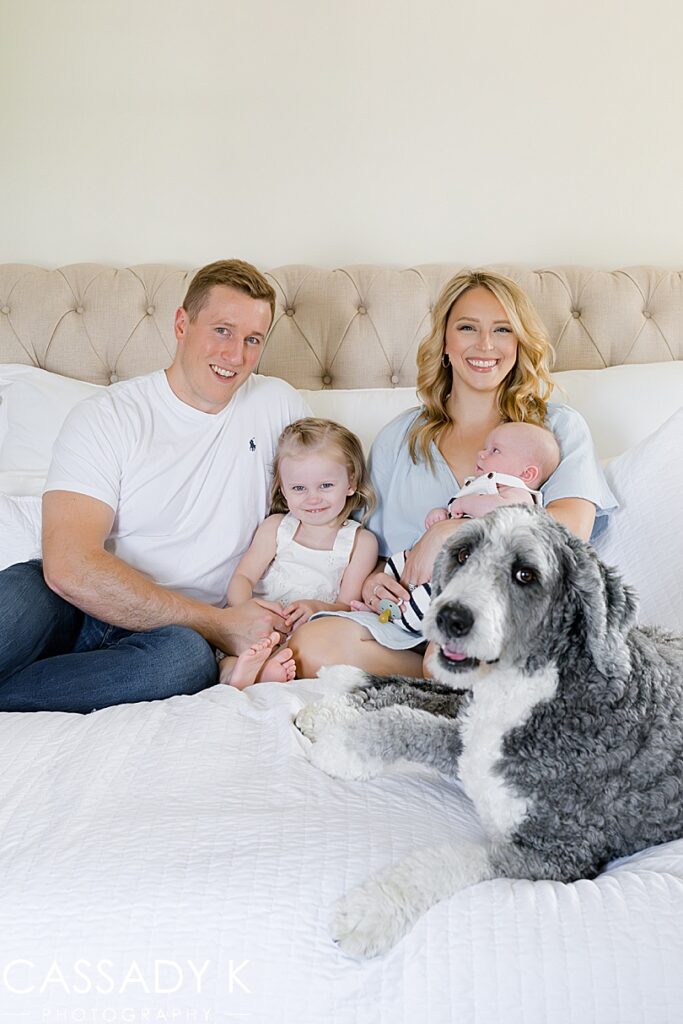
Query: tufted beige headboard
355,326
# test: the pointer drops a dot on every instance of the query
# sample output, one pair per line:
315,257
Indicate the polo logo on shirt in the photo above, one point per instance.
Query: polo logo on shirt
252,444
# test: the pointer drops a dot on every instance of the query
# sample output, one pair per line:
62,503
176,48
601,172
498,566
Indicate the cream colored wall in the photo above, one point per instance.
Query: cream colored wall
332,131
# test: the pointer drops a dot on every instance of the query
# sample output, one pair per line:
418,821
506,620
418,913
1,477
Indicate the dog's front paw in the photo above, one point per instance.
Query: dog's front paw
368,921
335,754
332,726
314,719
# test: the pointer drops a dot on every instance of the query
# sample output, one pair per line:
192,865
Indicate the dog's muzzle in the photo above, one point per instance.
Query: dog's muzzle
454,621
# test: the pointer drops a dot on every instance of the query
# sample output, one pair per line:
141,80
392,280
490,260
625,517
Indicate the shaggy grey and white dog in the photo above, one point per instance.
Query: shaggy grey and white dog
563,720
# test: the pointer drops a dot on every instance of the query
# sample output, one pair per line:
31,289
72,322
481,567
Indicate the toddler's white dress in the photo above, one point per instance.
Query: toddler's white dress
300,573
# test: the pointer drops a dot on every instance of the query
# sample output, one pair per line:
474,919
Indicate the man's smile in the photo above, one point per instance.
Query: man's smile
221,371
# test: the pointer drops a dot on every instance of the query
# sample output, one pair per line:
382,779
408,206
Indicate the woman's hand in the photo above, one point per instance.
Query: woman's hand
421,557
380,586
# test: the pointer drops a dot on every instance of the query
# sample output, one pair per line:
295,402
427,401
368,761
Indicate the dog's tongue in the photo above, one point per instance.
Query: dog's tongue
452,653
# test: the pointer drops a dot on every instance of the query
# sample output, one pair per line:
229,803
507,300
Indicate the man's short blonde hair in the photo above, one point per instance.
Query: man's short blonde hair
232,274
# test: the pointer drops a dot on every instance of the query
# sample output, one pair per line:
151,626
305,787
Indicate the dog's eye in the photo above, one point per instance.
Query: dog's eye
462,555
525,576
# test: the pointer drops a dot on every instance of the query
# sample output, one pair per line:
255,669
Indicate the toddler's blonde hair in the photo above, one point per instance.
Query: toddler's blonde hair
312,434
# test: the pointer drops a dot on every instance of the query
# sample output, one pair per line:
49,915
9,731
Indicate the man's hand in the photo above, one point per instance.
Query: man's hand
238,628
78,568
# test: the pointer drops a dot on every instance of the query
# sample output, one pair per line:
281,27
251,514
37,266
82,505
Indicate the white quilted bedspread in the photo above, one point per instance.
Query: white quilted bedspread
144,839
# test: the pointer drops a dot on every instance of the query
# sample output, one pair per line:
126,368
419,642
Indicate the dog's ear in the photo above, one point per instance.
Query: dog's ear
619,597
447,562
606,607
438,572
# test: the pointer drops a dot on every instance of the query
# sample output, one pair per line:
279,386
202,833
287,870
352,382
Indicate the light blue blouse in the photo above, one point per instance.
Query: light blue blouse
406,492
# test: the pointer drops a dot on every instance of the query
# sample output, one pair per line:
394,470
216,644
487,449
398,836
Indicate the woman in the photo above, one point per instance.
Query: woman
485,362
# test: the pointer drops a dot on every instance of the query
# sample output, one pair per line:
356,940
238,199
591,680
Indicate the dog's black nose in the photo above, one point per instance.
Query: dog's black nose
454,620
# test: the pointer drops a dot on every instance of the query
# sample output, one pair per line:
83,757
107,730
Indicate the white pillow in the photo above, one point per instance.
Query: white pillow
22,483
644,539
33,405
19,529
622,404
363,410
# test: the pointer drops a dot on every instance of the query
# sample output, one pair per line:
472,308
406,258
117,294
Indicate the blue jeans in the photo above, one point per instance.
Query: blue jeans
54,657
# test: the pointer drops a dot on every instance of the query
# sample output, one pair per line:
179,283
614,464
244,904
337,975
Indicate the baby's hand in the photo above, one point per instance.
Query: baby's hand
437,515
360,606
475,505
456,509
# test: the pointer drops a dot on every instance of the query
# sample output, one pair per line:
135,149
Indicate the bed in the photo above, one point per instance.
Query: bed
177,860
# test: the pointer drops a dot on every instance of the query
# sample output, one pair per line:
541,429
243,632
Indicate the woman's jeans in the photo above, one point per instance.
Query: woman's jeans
54,657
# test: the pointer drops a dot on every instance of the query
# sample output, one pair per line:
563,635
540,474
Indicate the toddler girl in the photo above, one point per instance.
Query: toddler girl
307,555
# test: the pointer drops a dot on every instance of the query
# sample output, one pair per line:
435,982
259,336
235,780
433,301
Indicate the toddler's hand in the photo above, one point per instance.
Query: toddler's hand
299,612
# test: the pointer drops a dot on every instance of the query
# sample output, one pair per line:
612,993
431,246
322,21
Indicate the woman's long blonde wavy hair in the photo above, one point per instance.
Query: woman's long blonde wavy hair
522,396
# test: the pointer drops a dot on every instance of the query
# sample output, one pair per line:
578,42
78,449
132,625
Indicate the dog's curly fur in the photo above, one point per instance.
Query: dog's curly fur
562,718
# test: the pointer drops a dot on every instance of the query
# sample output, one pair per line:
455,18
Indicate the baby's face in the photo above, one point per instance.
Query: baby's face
502,453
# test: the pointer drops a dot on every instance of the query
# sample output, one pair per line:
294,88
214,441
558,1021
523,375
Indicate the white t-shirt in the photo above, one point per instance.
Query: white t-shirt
188,488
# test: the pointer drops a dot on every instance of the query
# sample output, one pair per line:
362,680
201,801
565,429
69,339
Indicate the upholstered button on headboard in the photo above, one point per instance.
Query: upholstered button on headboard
356,326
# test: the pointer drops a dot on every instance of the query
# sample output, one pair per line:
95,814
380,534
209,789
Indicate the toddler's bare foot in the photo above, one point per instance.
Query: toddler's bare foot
281,668
247,667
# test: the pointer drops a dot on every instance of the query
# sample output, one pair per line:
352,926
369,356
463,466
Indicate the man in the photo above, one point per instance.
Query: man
154,491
